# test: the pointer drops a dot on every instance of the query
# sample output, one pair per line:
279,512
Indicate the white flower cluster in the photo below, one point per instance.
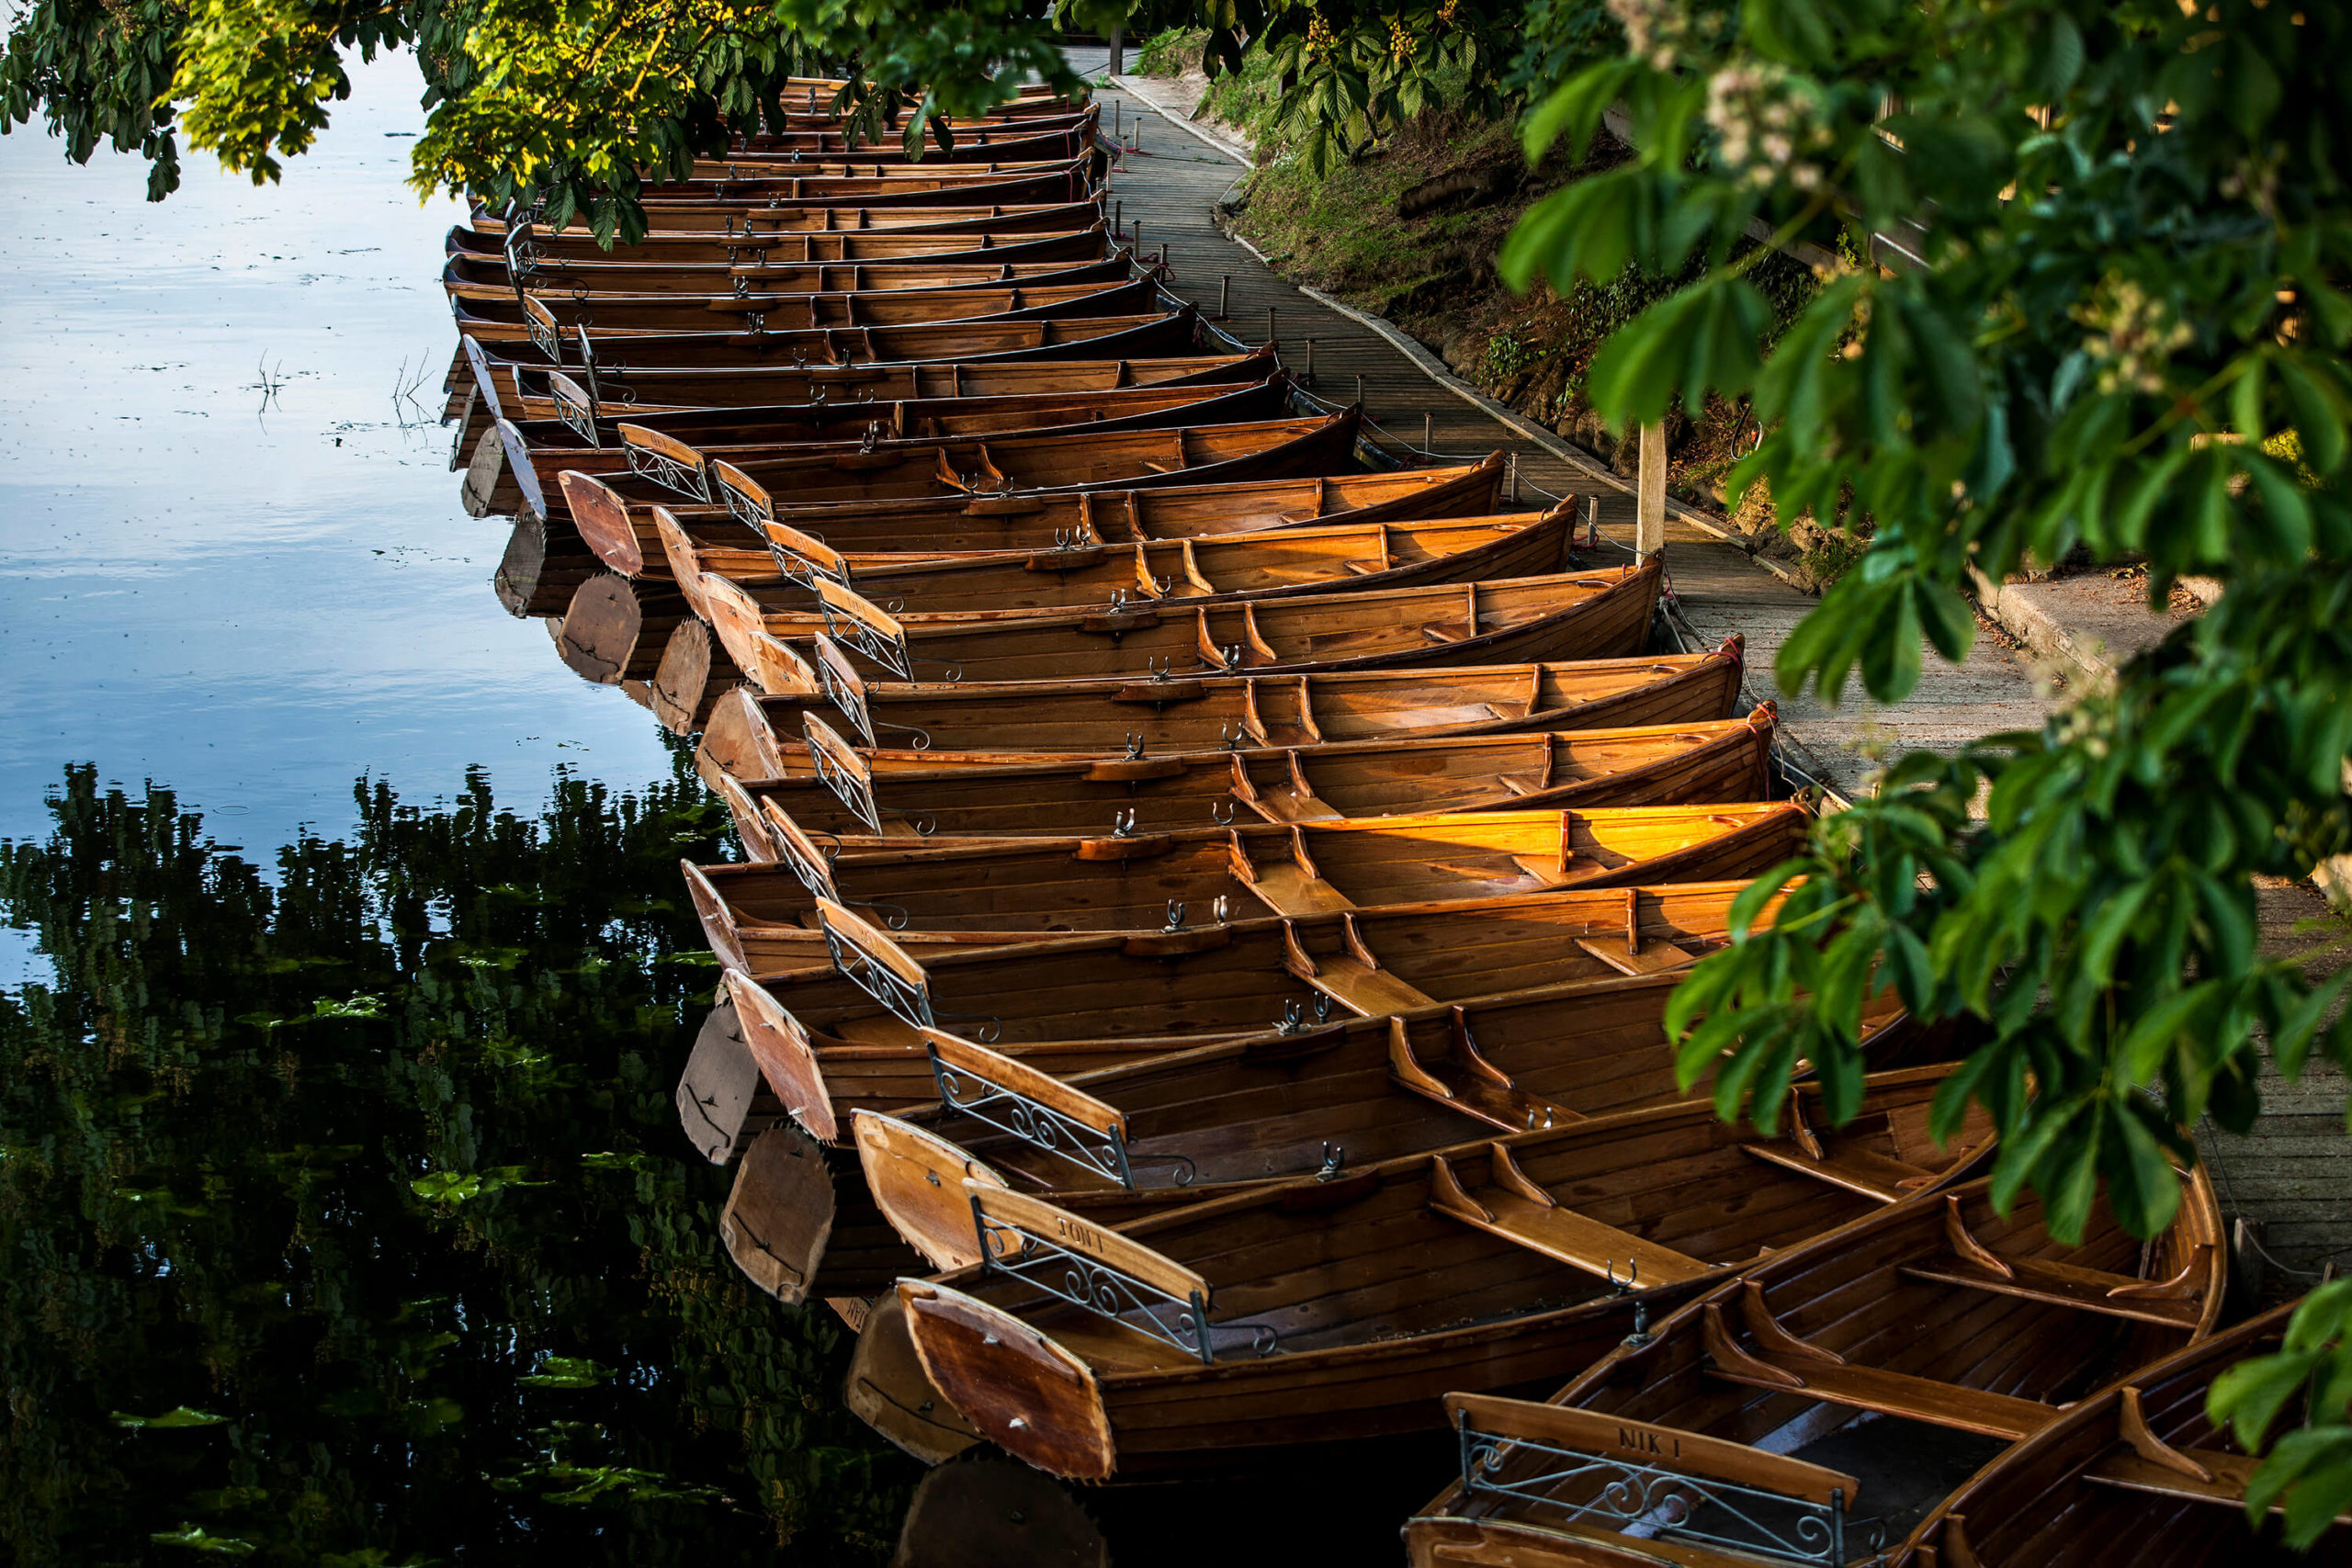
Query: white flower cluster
1656,29
1767,122
2133,336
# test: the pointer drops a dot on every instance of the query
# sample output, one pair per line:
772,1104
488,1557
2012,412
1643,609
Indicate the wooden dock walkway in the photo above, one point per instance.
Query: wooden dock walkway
2292,1174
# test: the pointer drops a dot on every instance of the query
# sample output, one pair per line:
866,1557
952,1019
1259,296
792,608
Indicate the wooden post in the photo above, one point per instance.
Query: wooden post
1649,494
1118,49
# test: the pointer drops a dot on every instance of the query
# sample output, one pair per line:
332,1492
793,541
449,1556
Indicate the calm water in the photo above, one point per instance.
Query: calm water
251,596
344,1215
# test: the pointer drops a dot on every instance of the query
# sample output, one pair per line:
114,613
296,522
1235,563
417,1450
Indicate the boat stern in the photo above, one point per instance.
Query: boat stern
1020,1390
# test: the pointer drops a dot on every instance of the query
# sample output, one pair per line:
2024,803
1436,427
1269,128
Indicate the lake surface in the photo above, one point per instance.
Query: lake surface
344,974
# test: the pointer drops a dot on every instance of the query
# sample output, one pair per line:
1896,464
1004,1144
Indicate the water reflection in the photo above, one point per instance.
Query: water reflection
345,1213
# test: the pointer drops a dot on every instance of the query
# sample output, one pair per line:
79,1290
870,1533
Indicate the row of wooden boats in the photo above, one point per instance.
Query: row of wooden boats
1194,981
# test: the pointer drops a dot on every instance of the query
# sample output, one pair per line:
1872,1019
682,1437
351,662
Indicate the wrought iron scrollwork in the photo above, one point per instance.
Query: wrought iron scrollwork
1088,1282
890,652
1621,1492
667,471
1101,1150
904,997
580,421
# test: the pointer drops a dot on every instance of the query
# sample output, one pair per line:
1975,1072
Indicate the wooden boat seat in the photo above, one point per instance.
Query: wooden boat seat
1840,1164
1518,1211
2082,1289
1357,980
1295,888
1288,890
1471,1084
1652,957
2177,1303
2142,1461
1372,992
1818,1375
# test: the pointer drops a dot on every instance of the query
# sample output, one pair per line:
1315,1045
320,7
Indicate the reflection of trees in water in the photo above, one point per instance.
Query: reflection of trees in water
347,1220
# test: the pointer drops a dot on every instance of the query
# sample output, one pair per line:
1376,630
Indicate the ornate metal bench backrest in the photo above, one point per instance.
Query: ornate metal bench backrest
1098,1149
1072,1275
1747,1519
664,470
854,790
909,1000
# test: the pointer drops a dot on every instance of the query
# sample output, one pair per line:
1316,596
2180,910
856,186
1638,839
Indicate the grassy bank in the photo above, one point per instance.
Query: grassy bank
1409,232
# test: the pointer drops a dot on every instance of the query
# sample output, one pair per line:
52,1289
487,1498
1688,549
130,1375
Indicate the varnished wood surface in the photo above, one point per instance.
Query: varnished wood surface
1702,763
1936,1310
1376,1294
932,725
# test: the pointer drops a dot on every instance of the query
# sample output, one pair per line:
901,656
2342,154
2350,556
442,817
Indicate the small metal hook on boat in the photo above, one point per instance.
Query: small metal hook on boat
1134,746
1175,917
1233,656
1158,667
873,436
1334,1156
1641,1334
1221,812
1630,1282
1530,1118
1122,822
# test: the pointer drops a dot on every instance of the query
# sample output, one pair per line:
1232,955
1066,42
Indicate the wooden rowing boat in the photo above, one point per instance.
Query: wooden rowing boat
1120,1142
1537,1057
1568,615
539,255
1690,764
798,176
860,1023
935,725
646,462
1254,568
1145,332
1215,1333
985,469
766,223
948,896
502,317
630,535
967,186
2136,1474
1928,1315
1037,141
684,404
1116,1143
485,373
787,578
610,294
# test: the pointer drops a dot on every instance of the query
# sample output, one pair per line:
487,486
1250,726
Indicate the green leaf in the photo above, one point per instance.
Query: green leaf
178,1417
